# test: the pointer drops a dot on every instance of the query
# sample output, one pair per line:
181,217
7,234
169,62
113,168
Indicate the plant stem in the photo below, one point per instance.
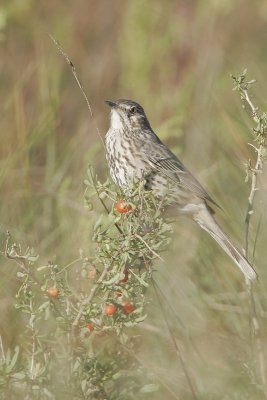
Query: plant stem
254,321
176,347
88,299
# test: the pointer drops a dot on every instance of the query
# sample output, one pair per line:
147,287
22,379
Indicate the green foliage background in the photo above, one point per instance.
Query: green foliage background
175,58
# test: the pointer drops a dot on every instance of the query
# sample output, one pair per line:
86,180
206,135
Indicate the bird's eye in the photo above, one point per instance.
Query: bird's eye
133,110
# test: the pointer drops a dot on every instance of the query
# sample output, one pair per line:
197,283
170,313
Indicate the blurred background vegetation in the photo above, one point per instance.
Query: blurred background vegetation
175,58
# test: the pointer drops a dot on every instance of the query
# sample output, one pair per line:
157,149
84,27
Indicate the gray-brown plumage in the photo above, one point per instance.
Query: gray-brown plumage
135,152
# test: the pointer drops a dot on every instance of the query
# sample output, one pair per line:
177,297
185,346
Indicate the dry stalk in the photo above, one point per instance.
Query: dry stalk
243,87
72,66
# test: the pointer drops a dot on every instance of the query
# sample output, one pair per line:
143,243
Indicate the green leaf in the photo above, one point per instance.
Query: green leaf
129,324
98,222
20,274
76,365
139,279
19,376
32,319
13,360
42,268
84,385
8,356
141,319
44,305
114,279
102,195
32,258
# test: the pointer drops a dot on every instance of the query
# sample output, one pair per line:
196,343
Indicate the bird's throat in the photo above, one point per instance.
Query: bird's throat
116,121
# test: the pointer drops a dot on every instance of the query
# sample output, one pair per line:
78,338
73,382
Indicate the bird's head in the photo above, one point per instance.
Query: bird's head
127,115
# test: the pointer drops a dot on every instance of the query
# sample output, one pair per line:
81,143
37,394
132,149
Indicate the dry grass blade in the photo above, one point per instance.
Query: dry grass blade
72,66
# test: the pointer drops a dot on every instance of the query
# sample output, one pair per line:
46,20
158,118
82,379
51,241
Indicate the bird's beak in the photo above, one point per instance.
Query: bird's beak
111,104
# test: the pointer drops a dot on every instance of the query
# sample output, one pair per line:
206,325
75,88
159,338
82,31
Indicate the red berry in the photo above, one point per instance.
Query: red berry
110,309
53,292
126,277
128,307
122,207
90,327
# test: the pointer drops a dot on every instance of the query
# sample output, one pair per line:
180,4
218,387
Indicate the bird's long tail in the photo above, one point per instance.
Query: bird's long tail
206,221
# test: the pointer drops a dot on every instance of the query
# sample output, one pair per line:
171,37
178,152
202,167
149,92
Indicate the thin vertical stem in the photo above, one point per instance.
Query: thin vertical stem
176,347
2,352
243,87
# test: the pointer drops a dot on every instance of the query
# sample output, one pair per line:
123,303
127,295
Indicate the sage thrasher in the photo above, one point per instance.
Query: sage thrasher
134,151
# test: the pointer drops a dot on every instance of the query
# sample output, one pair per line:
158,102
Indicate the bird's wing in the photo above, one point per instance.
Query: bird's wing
168,164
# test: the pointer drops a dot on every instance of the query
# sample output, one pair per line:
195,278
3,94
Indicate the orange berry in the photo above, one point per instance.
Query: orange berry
128,307
53,292
90,327
122,207
110,309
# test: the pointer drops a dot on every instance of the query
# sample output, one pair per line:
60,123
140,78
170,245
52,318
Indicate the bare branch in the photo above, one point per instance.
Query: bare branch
73,69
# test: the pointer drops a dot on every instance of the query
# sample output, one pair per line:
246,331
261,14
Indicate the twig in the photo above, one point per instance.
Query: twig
176,347
101,200
253,108
254,318
2,352
33,344
19,259
88,299
149,248
72,66
254,171
253,190
243,87
32,358
256,238
69,265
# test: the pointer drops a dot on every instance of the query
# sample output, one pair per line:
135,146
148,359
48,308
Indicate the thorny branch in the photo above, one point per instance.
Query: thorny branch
259,136
12,254
259,131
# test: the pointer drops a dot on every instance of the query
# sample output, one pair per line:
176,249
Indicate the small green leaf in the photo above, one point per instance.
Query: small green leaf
141,319
116,278
32,258
20,274
44,305
139,279
98,222
13,360
42,268
19,376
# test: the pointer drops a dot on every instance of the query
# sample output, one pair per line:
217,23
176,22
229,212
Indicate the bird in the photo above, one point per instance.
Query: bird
135,152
